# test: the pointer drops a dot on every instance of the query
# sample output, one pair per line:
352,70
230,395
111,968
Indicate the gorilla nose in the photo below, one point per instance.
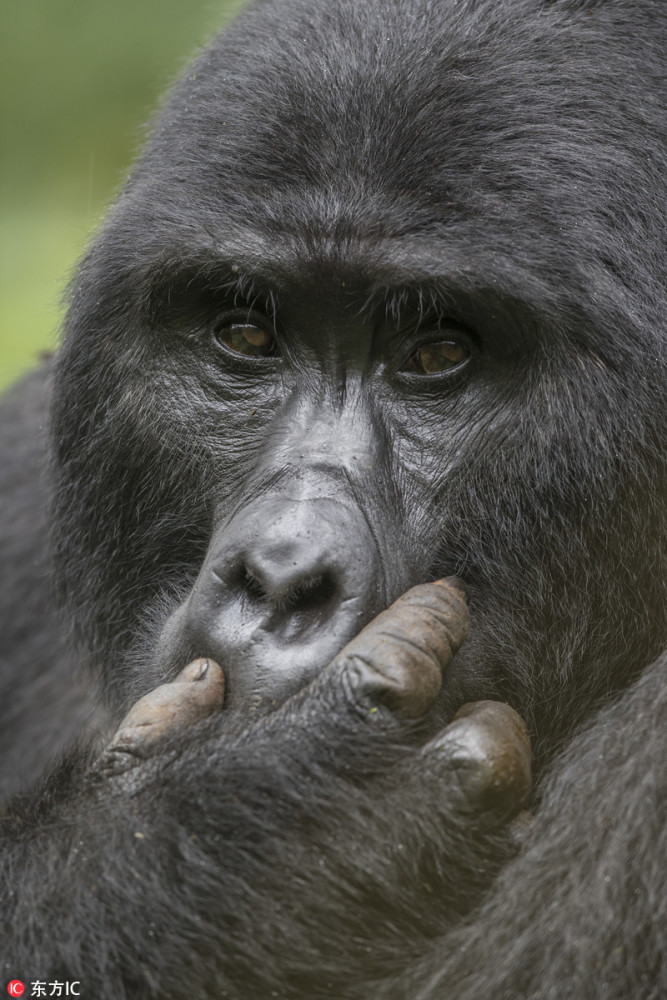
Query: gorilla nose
284,586
298,582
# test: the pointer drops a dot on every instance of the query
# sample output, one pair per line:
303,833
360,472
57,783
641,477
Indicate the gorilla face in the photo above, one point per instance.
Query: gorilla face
334,403
348,330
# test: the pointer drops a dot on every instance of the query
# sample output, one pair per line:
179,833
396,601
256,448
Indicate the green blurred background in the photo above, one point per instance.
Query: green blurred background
78,81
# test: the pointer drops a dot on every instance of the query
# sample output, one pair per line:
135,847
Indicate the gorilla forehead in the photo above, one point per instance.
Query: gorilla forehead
382,81
418,139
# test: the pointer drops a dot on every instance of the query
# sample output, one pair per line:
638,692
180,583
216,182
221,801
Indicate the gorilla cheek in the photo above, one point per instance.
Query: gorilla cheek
285,584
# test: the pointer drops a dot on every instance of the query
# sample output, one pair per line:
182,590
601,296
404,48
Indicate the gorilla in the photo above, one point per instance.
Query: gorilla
369,354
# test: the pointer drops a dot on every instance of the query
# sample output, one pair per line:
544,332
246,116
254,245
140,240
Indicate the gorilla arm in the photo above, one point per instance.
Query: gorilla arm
317,849
589,889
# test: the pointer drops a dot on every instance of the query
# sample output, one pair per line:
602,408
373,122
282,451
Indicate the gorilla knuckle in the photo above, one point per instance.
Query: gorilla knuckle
488,747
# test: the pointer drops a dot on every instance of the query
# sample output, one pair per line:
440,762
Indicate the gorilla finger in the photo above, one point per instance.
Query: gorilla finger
487,748
398,659
195,693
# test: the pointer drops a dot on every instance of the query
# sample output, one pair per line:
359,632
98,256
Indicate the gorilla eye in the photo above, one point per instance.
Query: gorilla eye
247,339
440,356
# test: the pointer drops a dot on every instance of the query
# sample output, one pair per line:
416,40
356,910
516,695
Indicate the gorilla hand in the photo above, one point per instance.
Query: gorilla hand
381,840
396,662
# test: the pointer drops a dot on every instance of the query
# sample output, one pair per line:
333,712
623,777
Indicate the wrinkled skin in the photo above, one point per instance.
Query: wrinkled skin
381,304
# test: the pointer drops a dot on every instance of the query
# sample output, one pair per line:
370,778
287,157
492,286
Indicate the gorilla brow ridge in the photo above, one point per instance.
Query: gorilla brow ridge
210,273
426,299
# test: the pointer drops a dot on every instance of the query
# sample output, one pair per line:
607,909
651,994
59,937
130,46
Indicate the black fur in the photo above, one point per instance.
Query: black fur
346,168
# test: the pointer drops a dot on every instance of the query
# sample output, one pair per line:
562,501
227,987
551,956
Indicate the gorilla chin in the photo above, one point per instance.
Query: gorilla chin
356,491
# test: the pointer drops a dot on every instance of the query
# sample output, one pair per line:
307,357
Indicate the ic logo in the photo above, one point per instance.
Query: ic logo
16,988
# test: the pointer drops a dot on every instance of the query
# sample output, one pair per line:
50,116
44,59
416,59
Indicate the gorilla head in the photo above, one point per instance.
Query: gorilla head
381,302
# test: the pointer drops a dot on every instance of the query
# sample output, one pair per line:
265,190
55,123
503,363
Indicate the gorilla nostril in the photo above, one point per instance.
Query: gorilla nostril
306,603
286,592
310,594
251,585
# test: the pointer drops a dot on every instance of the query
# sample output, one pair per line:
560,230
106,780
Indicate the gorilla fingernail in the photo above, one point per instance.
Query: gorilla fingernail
195,671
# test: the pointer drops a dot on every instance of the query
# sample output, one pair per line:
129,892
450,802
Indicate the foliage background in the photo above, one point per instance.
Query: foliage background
78,81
